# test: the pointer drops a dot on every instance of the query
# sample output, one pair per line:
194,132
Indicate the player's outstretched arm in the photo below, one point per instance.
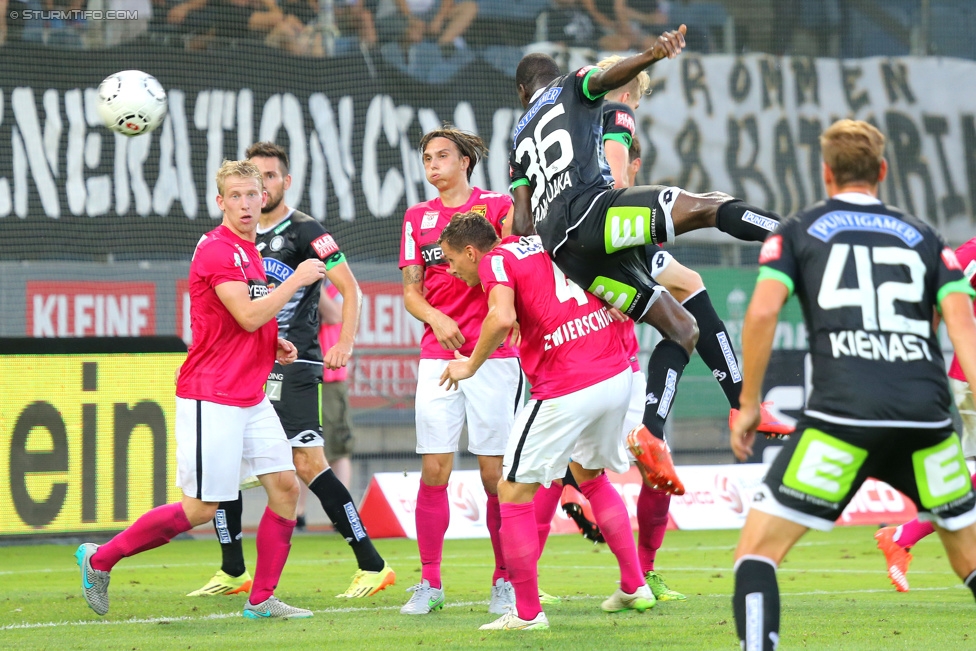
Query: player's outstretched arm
251,315
957,312
445,328
352,306
499,321
758,331
522,221
668,45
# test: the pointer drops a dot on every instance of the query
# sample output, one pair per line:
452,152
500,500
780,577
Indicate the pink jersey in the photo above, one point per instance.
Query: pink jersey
966,254
226,364
628,335
468,306
329,337
568,339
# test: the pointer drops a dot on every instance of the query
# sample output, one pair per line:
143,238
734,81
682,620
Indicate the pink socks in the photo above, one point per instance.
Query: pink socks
908,534
521,546
273,543
432,515
652,520
546,501
154,528
493,520
611,514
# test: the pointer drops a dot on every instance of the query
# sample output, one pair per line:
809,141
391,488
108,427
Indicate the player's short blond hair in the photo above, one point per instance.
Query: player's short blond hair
640,85
853,150
244,169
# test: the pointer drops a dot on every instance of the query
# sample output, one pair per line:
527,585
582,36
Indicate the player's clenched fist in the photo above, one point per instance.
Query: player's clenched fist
309,271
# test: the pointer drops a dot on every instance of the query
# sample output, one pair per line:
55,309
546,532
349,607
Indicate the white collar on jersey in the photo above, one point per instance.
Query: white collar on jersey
262,231
858,198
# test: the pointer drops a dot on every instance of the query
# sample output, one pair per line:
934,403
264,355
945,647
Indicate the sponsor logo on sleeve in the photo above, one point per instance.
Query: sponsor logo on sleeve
771,249
950,260
325,246
429,220
623,119
498,268
582,71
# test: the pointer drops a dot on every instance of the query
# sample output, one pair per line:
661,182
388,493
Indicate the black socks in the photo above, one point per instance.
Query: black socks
664,369
338,505
227,523
756,604
715,346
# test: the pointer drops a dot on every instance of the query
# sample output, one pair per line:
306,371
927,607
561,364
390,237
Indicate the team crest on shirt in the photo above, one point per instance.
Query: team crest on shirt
429,220
276,243
324,246
771,249
623,119
950,260
480,209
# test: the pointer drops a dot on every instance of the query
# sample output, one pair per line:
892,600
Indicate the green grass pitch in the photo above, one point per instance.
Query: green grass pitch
835,595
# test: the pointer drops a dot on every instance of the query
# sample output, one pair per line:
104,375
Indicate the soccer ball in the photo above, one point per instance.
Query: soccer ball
131,102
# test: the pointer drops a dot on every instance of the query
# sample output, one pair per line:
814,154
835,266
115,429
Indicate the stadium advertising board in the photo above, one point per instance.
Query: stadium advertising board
746,125
90,309
716,497
86,432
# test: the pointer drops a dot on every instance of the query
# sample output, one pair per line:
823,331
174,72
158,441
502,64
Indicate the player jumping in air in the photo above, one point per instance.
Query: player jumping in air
598,235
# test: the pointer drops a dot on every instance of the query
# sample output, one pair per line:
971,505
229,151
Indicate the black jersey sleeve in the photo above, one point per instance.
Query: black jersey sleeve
321,244
580,84
516,170
619,123
777,258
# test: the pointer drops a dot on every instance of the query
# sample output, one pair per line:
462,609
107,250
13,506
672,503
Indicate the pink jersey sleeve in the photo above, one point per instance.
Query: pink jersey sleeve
494,270
217,263
498,207
409,251
966,254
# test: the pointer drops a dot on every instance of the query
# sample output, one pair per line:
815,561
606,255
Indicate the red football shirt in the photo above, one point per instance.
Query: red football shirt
966,254
226,364
468,306
569,341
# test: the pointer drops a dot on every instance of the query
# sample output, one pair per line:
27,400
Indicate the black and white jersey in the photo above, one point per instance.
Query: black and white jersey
868,278
283,247
558,153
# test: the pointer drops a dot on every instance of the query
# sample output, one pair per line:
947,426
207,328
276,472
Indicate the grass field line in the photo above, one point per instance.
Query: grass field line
459,604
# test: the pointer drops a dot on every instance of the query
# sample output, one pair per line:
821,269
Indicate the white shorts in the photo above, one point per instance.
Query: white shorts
659,261
218,446
489,401
967,413
638,398
583,426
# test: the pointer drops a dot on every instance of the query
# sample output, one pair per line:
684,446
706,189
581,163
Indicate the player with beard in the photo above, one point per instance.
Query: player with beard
285,238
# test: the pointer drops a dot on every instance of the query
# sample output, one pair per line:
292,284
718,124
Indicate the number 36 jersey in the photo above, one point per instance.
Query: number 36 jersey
868,278
557,152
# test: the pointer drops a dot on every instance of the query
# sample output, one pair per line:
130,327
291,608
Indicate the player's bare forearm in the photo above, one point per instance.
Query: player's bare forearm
352,302
251,315
668,45
758,331
413,293
957,312
498,323
522,221
617,158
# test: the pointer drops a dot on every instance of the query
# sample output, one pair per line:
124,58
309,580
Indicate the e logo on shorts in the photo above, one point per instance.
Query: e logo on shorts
615,293
823,466
941,473
627,227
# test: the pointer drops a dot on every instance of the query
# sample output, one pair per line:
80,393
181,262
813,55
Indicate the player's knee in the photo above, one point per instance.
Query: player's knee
283,487
198,512
681,281
684,331
309,463
436,468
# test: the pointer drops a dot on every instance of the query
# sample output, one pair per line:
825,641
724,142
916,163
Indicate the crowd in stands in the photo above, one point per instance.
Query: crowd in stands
416,35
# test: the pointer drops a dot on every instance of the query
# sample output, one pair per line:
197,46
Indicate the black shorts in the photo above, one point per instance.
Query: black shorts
607,254
294,392
819,470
